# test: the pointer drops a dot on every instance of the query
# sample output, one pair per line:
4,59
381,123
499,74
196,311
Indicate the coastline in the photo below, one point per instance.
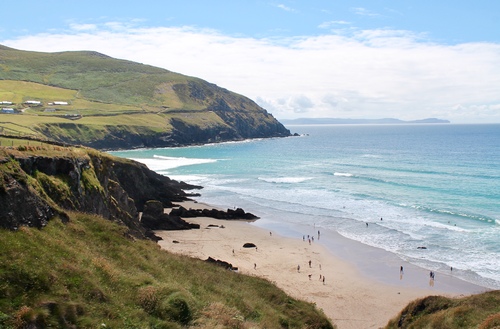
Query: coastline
363,287
383,266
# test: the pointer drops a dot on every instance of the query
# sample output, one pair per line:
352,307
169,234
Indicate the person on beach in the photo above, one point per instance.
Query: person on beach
310,275
323,279
401,270
254,266
298,268
309,263
366,224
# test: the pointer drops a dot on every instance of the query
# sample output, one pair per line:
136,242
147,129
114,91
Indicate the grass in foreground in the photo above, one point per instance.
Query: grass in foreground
480,311
86,274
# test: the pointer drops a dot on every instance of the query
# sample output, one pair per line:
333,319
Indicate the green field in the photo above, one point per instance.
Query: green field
14,142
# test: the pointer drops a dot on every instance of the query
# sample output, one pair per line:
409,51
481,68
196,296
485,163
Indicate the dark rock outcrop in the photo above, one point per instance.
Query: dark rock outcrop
221,263
230,214
34,188
141,183
154,218
20,206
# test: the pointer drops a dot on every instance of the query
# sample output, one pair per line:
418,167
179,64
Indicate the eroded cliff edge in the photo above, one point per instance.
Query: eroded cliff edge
43,182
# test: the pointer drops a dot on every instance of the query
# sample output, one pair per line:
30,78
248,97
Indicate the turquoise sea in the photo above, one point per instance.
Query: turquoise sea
434,186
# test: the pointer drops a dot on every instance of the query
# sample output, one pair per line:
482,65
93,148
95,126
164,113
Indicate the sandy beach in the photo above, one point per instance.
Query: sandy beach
356,287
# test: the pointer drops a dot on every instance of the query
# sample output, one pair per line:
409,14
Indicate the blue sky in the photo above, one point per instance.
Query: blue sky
407,59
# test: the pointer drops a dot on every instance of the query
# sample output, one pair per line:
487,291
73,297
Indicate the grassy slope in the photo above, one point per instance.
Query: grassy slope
86,273
478,311
98,77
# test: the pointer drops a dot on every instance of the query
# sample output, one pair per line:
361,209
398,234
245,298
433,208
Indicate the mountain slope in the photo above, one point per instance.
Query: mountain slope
115,103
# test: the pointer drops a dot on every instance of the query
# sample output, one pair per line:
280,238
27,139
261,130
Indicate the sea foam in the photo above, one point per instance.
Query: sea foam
161,163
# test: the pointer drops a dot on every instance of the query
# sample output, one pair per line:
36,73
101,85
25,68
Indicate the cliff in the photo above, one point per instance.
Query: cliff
39,183
116,104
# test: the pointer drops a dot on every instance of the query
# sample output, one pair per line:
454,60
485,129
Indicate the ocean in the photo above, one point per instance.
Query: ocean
429,192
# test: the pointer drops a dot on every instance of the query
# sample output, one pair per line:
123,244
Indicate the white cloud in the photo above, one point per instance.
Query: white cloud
364,74
330,24
363,12
284,7
83,27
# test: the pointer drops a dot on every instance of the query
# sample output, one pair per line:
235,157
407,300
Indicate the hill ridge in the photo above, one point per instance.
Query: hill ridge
175,109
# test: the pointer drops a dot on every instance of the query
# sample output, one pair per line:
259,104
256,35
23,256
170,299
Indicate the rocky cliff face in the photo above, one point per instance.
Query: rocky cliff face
221,121
37,184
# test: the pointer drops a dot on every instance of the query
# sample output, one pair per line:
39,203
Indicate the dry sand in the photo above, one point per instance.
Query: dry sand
348,296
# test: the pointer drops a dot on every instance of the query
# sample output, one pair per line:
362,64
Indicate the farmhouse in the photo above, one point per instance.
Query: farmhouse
60,103
7,110
35,103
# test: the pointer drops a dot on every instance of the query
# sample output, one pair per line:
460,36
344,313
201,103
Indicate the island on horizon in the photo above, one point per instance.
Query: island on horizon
322,121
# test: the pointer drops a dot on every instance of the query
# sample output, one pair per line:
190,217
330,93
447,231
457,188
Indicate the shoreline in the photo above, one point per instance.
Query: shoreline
383,266
362,286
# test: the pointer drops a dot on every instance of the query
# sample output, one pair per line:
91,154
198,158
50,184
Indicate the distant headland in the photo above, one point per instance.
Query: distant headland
320,121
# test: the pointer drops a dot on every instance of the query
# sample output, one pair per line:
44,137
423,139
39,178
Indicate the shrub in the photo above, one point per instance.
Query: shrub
175,308
148,298
492,322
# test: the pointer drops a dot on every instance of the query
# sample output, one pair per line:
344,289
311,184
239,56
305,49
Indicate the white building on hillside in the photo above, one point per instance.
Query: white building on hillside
33,102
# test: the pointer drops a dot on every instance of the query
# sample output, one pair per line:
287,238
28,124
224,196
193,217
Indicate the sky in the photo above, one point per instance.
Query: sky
405,59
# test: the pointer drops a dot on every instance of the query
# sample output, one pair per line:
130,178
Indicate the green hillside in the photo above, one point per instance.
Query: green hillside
95,100
86,274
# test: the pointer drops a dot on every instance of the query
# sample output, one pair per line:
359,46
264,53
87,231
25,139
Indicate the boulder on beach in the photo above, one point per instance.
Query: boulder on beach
224,264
